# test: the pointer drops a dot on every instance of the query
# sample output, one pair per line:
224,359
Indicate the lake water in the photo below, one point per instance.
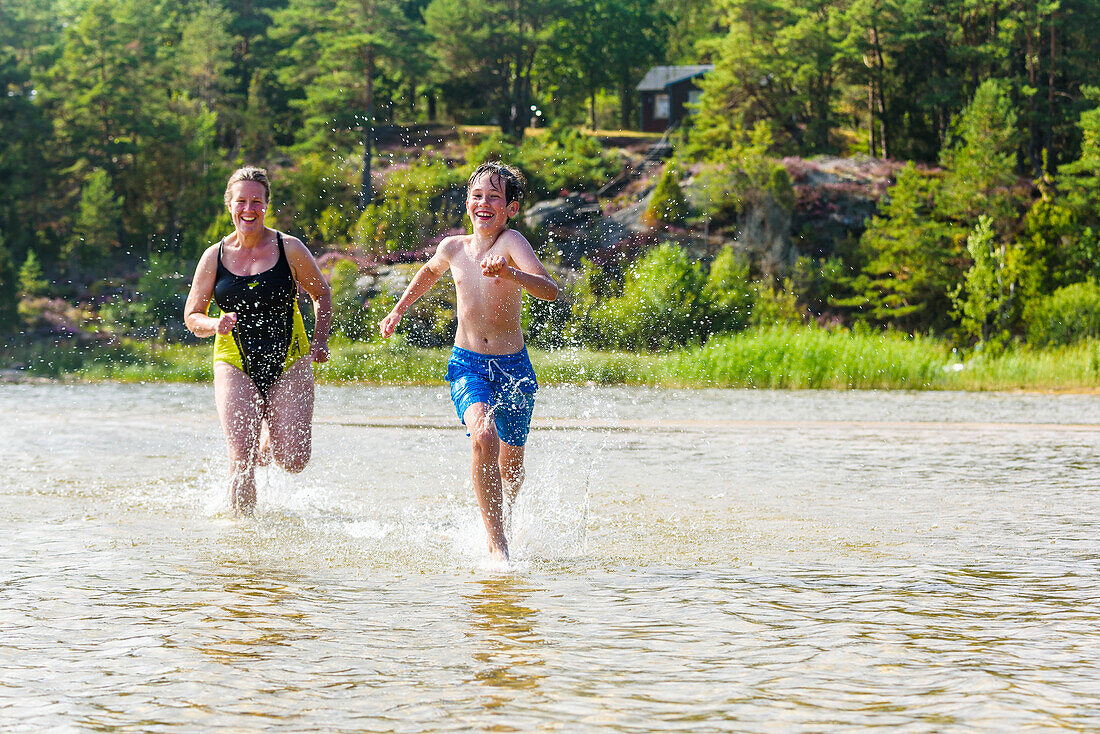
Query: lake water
695,561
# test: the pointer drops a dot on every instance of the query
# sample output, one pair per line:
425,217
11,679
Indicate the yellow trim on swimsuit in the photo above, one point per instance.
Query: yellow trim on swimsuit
225,346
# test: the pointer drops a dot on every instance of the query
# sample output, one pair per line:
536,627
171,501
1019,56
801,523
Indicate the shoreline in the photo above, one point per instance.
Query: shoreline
784,357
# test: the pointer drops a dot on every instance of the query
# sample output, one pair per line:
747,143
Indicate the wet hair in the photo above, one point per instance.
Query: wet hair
515,185
249,173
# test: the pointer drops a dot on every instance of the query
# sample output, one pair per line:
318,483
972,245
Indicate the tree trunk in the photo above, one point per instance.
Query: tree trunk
366,194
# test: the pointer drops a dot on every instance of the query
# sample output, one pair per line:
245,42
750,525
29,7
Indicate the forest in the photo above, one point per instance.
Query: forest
968,137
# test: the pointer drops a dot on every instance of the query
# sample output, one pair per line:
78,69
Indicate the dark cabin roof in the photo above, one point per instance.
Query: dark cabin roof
661,77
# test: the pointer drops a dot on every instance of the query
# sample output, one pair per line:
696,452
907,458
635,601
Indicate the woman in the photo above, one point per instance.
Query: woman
263,360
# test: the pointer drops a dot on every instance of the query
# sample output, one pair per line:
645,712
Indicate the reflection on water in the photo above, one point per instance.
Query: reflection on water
503,629
684,561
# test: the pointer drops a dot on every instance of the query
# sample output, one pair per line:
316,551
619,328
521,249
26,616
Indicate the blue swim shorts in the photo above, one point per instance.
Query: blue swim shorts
506,382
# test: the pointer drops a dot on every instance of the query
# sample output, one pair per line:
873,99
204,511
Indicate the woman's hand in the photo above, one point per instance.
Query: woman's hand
318,352
226,323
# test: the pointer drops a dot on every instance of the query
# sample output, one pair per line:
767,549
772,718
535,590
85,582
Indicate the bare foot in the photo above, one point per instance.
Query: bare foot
242,504
498,552
264,457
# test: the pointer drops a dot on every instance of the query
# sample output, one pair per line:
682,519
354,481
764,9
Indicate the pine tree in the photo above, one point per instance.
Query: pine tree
983,301
96,230
667,205
8,291
31,282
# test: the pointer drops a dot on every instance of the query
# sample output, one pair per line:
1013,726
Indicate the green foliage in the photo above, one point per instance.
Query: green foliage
981,160
561,159
347,59
661,305
1080,179
802,357
911,260
778,61
303,194
667,204
566,159
31,282
984,300
1066,316
775,306
95,232
601,44
419,201
487,53
350,315
9,292
155,307
745,173
1057,248
729,293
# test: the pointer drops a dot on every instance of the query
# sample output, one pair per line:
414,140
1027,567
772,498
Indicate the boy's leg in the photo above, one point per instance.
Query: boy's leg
512,473
513,419
485,472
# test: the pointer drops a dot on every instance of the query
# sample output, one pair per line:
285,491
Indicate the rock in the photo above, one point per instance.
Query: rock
567,211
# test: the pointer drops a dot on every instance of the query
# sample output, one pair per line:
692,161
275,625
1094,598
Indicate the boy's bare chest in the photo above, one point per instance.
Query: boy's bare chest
468,276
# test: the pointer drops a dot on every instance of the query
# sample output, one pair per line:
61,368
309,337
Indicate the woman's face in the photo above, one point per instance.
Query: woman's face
247,205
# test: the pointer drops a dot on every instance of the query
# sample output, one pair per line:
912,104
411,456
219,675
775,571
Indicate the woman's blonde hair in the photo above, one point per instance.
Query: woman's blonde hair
249,173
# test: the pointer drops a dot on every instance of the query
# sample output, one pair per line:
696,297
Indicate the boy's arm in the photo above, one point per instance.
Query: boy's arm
424,279
528,271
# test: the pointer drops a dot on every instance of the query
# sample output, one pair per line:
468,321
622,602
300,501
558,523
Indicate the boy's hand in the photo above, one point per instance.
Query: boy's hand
495,266
388,324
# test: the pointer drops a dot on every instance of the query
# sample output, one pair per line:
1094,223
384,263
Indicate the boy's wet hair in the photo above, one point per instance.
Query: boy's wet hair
515,185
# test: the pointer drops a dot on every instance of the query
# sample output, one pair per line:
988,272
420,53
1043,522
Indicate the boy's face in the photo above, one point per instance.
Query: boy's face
487,205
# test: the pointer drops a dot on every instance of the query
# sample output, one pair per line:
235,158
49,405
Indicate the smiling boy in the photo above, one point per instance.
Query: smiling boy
492,382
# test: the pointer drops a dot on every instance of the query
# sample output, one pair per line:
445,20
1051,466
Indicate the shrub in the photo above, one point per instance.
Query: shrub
1067,315
661,306
349,315
729,293
668,204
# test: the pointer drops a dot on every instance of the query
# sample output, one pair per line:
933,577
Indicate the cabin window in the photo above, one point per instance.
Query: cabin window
660,106
694,95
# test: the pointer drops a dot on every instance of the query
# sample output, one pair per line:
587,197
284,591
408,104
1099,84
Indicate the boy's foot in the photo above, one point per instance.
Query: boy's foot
498,552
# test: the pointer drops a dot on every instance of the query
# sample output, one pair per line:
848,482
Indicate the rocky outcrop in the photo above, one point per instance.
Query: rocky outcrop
833,200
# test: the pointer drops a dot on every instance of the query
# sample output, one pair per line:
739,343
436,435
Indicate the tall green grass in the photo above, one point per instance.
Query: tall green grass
802,357
1075,367
779,357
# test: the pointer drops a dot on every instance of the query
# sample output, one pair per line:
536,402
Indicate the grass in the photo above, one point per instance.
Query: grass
780,357
788,357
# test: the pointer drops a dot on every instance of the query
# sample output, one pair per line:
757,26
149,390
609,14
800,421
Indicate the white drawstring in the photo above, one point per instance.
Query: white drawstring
515,382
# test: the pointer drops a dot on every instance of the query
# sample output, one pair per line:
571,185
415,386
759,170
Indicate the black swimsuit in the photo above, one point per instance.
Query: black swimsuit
265,336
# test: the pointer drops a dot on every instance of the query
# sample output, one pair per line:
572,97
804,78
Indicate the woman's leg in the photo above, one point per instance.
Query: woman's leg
240,408
290,416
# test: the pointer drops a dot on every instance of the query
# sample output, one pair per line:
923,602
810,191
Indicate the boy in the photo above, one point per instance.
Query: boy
492,382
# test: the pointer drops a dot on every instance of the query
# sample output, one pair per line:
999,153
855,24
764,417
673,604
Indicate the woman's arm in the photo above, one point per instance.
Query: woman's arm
198,299
308,275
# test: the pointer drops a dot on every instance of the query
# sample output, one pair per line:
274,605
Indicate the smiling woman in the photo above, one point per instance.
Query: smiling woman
263,371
